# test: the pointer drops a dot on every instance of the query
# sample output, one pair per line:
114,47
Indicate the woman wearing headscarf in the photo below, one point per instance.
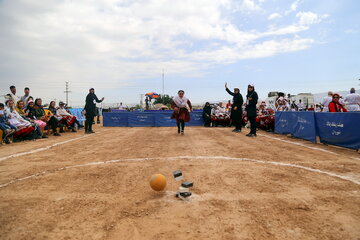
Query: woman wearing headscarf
251,101
181,106
23,113
90,107
236,108
207,114
23,127
335,105
39,113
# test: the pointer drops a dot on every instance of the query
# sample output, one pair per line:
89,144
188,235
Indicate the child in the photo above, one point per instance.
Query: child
7,129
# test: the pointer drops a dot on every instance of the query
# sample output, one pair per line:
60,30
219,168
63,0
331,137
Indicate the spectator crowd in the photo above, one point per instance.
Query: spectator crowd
331,103
25,118
220,115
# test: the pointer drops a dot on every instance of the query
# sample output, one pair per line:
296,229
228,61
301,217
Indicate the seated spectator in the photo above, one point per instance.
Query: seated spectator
228,105
281,103
21,110
262,109
311,108
7,129
23,127
207,114
335,105
67,117
31,115
39,113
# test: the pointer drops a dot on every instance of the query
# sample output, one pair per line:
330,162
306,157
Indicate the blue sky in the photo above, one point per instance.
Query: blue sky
121,47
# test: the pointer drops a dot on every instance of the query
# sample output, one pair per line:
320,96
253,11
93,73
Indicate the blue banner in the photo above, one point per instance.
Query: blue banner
284,122
304,126
147,119
115,119
196,119
164,120
136,119
298,124
77,112
342,129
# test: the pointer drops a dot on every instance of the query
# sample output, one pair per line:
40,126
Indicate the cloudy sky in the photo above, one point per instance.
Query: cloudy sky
120,47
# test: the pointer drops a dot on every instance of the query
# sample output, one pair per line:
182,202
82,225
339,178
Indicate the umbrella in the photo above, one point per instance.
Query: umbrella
152,95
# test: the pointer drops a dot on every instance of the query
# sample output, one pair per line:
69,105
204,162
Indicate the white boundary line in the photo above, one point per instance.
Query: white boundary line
303,145
41,149
347,178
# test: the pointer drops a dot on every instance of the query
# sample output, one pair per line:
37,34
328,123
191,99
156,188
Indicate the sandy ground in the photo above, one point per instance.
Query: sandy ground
239,191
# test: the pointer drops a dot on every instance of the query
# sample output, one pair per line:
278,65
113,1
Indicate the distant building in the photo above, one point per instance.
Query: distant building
306,98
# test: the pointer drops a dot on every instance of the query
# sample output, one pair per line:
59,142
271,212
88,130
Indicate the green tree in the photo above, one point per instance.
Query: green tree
164,99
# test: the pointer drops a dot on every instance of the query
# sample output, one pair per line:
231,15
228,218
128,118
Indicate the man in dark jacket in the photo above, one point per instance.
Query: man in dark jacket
90,106
236,108
251,101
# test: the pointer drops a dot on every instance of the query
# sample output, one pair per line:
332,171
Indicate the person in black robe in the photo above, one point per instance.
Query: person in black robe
236,108
90,107
207,114
251,101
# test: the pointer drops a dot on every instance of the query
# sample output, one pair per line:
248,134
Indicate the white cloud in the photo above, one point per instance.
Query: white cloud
108,43
274,16
308,18
249,6
293,7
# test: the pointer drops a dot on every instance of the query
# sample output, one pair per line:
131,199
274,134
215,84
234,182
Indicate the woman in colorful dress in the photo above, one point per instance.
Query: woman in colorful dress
335,105
50,120
181,106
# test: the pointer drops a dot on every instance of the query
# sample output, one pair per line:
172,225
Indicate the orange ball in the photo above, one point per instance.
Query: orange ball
158,182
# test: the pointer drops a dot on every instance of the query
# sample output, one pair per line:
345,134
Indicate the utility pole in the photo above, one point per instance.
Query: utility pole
163,87
141,100
67,92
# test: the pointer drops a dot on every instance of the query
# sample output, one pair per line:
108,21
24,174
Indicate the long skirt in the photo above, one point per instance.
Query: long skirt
182,114
41,124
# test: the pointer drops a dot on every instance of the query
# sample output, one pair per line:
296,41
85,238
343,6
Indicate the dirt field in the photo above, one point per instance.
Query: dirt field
269,187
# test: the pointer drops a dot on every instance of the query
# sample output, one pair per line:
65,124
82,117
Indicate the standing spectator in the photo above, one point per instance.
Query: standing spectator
251,101
207,114
12,95
352,101
26,97
236,108
121,106
326,101
147,103
335,105
90,106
